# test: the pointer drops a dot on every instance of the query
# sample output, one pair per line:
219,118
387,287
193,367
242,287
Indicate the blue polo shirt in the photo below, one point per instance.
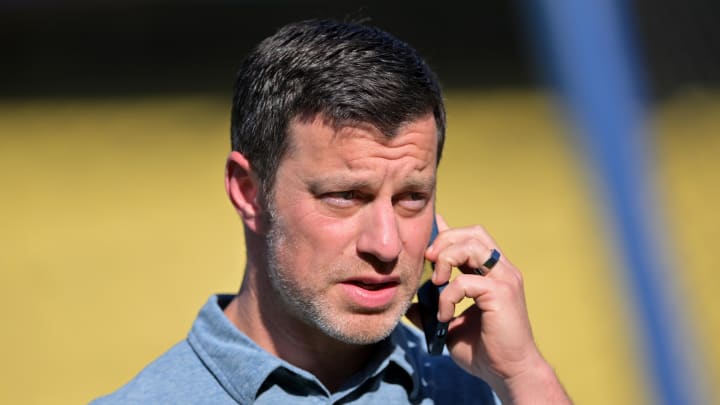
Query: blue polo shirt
218,364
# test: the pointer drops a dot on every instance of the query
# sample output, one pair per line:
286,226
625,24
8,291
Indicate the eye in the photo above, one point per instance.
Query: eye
413,201
341,199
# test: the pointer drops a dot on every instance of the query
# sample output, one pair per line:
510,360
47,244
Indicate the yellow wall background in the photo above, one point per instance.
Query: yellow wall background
114,230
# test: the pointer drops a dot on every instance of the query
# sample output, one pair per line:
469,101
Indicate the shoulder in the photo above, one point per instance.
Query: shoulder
178,376
438,377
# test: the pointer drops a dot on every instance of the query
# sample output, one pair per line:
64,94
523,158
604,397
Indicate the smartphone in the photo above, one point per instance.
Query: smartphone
428,295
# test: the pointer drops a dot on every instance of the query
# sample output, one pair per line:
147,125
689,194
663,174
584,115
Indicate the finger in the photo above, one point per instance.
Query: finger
486,267
464,286
467,256
442,225
484,235
458,235
470,320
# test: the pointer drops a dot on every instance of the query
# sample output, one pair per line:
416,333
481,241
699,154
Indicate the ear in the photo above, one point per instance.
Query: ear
243,189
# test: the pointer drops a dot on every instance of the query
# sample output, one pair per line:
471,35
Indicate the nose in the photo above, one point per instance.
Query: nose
379,235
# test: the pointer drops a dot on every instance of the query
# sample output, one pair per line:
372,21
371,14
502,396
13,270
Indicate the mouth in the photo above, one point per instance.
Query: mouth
371,294
371,286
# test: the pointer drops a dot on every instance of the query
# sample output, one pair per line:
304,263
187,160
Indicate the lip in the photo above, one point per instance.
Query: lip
369,292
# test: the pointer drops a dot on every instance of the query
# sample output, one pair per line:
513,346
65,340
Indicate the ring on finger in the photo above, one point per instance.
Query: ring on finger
489,263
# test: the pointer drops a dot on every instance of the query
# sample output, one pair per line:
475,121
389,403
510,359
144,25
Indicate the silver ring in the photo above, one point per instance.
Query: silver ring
489,263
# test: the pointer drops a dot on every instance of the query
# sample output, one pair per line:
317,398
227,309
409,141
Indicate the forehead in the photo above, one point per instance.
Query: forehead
320,140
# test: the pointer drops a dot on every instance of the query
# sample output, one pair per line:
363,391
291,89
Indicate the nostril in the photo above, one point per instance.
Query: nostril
379,265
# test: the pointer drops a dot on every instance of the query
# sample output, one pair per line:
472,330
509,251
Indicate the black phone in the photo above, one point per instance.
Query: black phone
428,295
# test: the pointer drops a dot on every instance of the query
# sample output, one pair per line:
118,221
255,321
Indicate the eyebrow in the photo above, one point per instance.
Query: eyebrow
414,183
329,183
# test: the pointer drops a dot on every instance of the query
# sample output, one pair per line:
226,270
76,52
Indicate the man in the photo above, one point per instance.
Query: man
337,130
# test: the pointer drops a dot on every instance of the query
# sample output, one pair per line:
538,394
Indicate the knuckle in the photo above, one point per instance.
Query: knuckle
461,285
477,243
477,229
505,289
517,278
441,257
469,250
445,258
512,285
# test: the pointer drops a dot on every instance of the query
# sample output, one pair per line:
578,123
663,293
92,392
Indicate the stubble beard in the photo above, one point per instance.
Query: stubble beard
311,308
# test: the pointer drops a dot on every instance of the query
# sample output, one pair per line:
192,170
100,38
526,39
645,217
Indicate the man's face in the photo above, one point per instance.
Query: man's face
351,217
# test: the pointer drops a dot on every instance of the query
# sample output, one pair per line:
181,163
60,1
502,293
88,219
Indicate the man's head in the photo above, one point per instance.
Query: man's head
345,73
337,131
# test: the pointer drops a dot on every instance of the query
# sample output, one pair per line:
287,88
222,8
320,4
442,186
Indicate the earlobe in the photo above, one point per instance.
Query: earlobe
243,189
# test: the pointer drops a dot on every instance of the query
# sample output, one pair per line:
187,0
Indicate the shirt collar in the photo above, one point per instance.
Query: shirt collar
408,352
219,345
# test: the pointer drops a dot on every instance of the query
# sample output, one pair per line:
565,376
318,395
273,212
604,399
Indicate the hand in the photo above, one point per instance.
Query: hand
491,339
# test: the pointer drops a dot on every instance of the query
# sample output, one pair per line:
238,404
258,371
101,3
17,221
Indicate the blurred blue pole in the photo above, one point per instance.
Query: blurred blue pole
588,48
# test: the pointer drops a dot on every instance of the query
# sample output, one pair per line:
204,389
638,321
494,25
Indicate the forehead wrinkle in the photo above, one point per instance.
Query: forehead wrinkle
419,156
395,144
411,174
357,155
362,148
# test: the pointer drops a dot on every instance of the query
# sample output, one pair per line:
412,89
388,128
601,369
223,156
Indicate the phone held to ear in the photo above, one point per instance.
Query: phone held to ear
428,295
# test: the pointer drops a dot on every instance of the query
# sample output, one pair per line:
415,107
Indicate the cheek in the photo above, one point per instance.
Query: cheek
315,238
325,230
414,240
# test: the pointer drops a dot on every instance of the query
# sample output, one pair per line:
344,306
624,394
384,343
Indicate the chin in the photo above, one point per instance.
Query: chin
362,329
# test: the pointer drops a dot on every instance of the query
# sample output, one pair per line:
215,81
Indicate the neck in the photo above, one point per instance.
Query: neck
267,322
